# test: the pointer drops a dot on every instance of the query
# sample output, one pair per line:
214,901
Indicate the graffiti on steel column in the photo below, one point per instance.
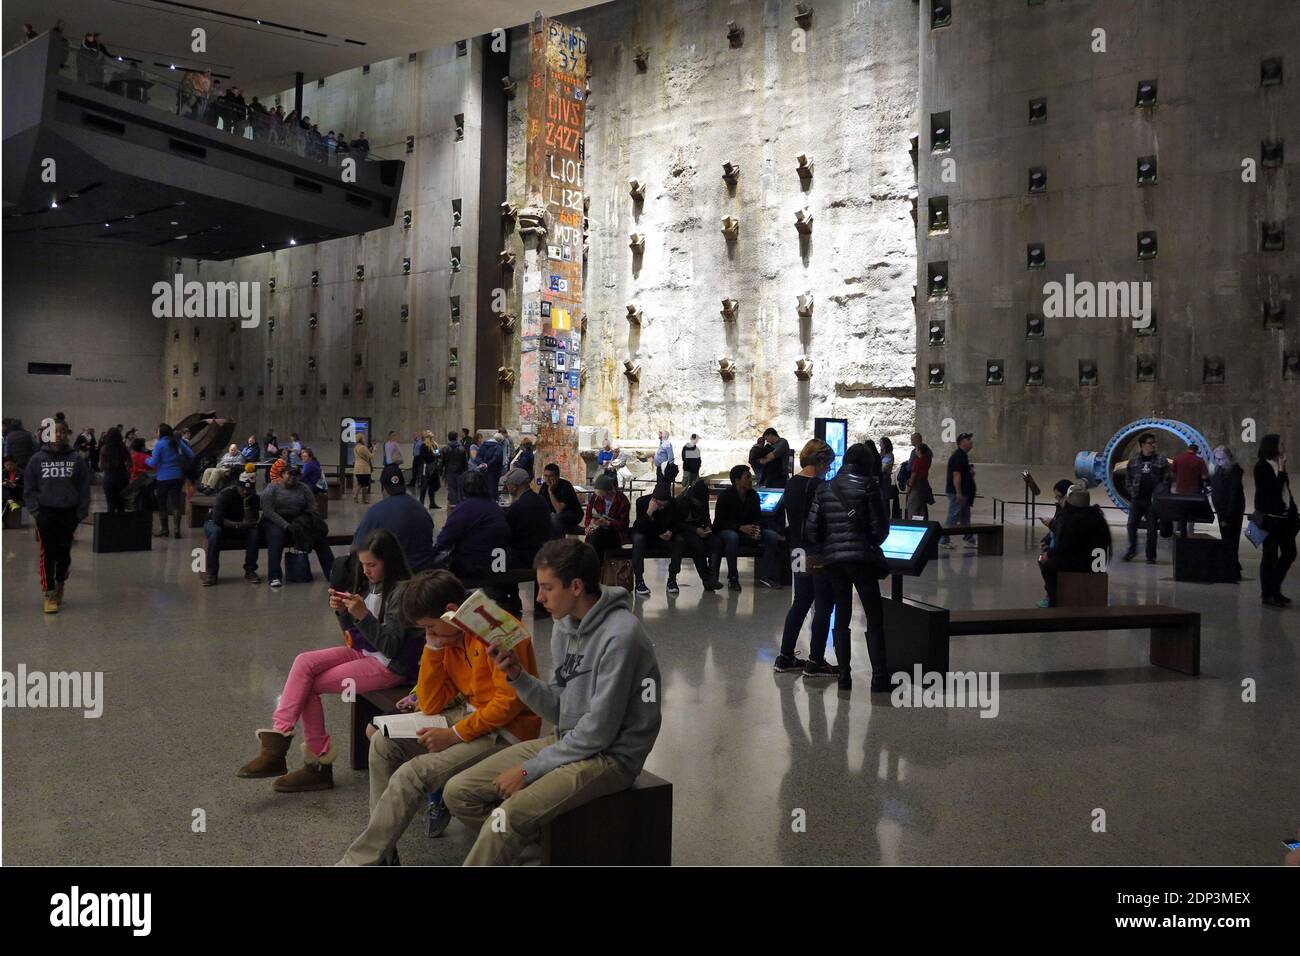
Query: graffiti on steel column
551,335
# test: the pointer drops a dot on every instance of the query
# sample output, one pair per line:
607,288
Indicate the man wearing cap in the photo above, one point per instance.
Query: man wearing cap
284,501
960,486
234,512
401,515
607,513
654,524
529,518
1080,535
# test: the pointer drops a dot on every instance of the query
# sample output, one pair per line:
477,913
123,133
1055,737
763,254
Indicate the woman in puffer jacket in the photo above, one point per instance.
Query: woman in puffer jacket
847,520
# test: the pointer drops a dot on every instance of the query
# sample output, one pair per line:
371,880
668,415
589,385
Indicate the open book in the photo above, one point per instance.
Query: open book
488,621
406,726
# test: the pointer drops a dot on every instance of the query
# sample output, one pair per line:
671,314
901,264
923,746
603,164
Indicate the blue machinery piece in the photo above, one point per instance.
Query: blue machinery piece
1096,468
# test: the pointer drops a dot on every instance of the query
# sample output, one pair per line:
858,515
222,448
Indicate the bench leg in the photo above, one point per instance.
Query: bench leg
1177,648
990,543
362,713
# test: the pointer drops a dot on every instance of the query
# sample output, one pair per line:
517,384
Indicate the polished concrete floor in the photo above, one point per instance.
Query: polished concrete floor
1185,770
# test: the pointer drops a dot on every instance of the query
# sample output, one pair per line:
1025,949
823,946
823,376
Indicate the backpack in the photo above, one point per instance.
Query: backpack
904,473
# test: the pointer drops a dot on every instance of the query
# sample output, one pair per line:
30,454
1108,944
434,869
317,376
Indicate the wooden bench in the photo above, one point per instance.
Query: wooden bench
633,827
1082,589
662,551
335,488
989,535
1175,633
230,543
200,509
15,518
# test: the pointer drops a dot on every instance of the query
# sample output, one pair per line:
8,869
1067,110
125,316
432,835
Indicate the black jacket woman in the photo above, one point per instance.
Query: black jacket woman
847,520
115,466
812,583
1273,514
1229,499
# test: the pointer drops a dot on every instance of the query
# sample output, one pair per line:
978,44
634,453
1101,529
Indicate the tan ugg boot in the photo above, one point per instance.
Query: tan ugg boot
270,762
51,603
317,773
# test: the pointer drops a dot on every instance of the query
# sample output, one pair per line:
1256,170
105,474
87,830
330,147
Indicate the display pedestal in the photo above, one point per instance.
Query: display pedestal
915,633
1204,559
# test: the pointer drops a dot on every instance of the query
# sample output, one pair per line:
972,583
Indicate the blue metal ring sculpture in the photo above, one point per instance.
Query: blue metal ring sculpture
1097,468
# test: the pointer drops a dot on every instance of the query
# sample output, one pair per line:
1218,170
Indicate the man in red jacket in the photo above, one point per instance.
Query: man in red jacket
607,516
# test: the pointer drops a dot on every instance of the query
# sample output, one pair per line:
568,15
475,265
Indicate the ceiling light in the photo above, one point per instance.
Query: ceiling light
175,223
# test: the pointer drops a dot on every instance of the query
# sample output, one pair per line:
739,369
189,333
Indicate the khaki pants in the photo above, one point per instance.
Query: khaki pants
402,774
472,798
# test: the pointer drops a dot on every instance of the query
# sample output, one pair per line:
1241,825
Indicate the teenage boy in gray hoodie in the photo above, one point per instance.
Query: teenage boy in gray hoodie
603,700
56,490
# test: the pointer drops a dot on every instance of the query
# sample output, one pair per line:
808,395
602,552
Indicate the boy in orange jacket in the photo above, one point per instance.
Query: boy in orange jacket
458,681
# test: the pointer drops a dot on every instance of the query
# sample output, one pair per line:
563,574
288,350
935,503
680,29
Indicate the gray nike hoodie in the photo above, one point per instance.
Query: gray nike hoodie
604,697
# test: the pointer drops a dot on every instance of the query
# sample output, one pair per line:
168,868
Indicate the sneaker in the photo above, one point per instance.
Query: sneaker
1128,555
1044,602
275,582
768,583
672,586
642,590
881,686
713,584
209,580
846,682
252,577
1151,560
1270,600
947,545
1283,598
733,584
438,817
791,663
51,605
820,669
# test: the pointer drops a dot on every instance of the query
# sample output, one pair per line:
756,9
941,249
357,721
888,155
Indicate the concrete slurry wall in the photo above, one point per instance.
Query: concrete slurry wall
848,102
396,99
1210,277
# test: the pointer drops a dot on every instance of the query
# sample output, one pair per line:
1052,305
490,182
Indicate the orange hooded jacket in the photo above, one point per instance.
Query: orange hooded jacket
465,668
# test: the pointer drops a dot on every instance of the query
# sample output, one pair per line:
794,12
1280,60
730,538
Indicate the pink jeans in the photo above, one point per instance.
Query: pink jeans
323,672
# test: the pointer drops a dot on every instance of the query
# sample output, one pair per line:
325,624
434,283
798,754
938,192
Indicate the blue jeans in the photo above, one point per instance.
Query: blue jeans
213,534
958,514
728,542
811,590
453,489
275,539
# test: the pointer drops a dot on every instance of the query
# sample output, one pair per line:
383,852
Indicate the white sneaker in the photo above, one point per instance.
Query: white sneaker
275,582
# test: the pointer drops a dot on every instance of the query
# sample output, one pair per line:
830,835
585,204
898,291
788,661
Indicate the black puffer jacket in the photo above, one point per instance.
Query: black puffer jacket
840,536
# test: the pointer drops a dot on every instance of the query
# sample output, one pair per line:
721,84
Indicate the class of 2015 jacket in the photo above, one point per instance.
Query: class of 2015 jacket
57,477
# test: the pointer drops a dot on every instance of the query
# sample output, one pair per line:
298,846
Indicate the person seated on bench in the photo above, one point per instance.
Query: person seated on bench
1059,491
234,512
216,476
655,522
566,509
738,516
312,476
251,453
1079,531
693,532
283,503
403,516
457,680
476,533
603,700
381,649
529,520
606,521
13,495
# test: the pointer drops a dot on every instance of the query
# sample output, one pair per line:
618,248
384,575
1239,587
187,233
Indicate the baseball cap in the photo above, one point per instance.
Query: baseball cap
963,436
516,477
392,479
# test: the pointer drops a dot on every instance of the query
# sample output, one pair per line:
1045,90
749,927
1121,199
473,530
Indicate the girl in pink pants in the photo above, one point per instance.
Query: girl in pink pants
379,651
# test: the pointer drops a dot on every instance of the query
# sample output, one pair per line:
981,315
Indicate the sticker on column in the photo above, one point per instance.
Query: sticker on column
550,393
559,360
559,285
555,416
568,420
532,281
573,380
546,308
553,252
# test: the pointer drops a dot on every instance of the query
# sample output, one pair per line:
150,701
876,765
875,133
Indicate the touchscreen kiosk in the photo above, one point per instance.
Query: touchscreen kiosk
909,545
769,499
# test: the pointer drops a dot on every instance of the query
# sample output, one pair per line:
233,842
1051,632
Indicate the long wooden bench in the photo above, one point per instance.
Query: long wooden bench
989,535
1175,633
230,543
663,550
